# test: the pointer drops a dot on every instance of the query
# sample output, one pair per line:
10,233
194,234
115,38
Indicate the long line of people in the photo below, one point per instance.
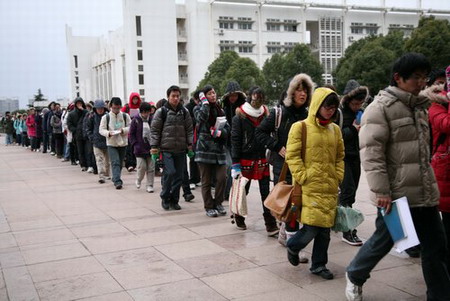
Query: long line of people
239,136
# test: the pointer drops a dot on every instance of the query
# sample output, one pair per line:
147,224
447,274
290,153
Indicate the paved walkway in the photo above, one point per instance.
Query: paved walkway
63,236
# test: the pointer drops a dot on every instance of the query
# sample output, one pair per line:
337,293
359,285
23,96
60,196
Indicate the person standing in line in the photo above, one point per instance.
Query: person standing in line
25,140
132,109
351,104
75,125
46,128
171,135
211,150
249,156
98,141
17,125
194,172
8,125
31,128
395,153
115,126
39,132
319,173
139,139
57,130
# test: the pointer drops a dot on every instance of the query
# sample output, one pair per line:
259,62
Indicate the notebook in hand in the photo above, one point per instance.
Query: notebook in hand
393,223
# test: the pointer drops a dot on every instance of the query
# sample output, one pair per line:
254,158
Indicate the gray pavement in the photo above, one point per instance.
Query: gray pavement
63,236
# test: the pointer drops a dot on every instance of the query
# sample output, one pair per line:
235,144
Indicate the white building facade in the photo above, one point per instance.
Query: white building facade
8,104
163,43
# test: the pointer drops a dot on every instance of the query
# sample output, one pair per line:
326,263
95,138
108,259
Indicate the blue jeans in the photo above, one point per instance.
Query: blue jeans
116,157
430,232
321,238
8,139
174,166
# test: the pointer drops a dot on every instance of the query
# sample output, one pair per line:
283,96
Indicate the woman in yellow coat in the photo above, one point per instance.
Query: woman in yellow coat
320,175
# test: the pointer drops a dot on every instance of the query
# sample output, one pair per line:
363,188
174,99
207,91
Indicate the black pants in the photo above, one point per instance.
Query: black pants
350,183
45,142
59,144
73,151
194,172
174,165
446,222
83,152
52,142
430,232
130,158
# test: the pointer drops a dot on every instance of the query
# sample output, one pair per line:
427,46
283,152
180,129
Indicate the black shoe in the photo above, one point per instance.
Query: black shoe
221,210
84,169
119,186
175,206
189,197
73,163
272,230
101,181
413,252
293,257
240,222
324,273
356,238
165,204
211,212
350,239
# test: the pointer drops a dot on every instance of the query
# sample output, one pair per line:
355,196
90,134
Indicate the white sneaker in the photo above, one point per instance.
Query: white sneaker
138,184
150,189
52,153
192,186
353,292
90,170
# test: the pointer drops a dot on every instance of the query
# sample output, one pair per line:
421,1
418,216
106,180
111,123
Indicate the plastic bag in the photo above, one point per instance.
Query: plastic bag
347,219
238,197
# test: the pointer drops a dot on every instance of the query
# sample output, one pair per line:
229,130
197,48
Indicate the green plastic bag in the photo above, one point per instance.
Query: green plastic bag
347,219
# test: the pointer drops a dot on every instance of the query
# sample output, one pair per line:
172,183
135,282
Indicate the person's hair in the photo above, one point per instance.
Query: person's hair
206,89
331,100
7,112
409,63
161,103
173,89
196,95
115,101
50,104
145,107
435,74
18,115
255,90
57,104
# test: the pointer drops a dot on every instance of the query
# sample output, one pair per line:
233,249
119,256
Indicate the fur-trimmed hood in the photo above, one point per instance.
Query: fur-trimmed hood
434,94
300,79
233,87
352,89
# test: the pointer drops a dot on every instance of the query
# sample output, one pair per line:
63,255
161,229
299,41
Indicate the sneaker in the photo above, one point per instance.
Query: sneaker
221,210
174,206
240,222
272,230
353,292
211,212
119,186
324,273
52,153
90,170
138,184
192,186
130,169
356,239
282,237
293,257
101,181
303,258
150,189
347,237
83,168
165,204
189,197
65,160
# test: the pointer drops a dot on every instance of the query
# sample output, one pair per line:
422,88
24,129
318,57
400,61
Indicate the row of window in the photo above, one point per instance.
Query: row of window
246,24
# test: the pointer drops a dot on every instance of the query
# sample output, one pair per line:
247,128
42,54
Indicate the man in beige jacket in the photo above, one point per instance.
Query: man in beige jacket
115,126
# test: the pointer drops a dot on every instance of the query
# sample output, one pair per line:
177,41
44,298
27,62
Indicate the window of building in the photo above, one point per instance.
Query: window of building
245,47
357,30
76,72
245,23
77,87
78,94
139,55
288,46
226,22
141,68
76,79
75,57
273,47
290,25
226,45
139,43
138,26
142,92
273,27
141,79
372,30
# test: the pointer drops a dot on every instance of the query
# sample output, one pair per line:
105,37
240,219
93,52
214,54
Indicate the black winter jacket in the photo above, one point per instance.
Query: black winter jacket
75,123
93,126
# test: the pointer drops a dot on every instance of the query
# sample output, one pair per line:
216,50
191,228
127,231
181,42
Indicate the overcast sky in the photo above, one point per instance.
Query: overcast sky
33,52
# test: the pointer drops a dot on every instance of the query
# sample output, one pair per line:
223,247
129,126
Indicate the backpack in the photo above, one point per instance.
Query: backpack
274,134
165,110
108,118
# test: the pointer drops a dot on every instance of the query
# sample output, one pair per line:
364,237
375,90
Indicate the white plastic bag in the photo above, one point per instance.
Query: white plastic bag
238,197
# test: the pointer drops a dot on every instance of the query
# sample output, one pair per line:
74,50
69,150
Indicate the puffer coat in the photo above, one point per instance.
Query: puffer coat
323,168
171,131
394,141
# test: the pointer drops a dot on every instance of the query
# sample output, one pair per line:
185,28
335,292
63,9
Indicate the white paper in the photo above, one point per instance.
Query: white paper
411,239
220,122
116,132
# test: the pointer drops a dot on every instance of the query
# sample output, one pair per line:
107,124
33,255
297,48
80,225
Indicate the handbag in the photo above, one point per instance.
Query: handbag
347,219
285,200
238,197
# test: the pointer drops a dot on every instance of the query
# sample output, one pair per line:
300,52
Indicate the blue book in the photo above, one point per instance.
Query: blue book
393,223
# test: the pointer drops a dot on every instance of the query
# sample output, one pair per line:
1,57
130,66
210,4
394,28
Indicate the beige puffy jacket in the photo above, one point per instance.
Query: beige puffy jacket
394,141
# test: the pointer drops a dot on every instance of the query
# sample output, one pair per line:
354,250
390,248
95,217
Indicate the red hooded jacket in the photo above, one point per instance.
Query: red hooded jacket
130,108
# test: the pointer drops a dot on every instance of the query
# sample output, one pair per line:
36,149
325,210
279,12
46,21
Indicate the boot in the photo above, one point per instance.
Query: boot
271,224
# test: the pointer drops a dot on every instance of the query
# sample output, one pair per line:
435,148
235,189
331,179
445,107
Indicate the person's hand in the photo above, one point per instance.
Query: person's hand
190,154
356,125
155,154
235,170
384,202
215,132
203,98
282,152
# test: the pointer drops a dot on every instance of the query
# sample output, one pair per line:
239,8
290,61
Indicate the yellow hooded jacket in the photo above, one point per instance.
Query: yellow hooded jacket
323,169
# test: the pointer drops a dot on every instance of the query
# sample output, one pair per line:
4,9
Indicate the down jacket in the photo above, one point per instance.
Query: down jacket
93,130
323,168
394,141
440,125
171,131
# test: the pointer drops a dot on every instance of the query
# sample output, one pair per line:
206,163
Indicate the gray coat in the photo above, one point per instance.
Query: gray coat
394,141
171,130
